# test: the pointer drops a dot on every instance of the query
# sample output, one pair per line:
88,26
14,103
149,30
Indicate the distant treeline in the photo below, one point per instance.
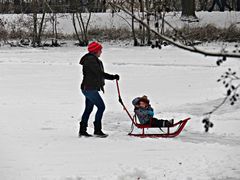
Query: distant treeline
68,6
56,6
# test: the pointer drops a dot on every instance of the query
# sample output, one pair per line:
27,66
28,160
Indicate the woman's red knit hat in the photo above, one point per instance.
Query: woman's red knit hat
94,47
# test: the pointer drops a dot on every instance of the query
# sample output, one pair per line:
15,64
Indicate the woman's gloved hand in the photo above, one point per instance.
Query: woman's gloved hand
116,76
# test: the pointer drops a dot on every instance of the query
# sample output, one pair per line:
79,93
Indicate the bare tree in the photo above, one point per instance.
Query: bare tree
80,24
81,16
203,5
147,2
192,48
188,11
37,31
54,22
135,41
34,36
238,5
141,27
17,6
142,8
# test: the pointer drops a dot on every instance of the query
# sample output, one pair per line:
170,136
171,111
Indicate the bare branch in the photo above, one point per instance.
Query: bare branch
217,107
75,28
79,23
228,79
177,44
88,21
49,7
123,19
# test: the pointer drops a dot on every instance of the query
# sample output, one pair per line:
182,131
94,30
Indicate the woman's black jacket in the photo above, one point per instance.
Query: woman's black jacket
93,73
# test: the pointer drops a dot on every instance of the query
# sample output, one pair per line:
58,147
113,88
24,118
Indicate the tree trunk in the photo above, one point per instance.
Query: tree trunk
75,28
72,6
238,5
148,22
34,4
84,26
163,23
39,36
104,8
17,6
142,28
40,29
203,5
135,41
188,11
55,43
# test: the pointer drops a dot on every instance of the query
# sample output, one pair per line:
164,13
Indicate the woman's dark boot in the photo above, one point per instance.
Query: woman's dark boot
83,130
98,130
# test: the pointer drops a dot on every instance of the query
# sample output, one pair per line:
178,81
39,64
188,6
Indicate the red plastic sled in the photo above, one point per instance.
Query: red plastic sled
178,127
168,134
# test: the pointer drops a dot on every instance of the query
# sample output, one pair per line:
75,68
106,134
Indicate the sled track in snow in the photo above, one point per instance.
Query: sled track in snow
165,65
197,137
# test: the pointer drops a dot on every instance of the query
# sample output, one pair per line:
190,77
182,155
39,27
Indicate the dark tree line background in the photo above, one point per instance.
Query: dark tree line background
69,6
58,6
152,12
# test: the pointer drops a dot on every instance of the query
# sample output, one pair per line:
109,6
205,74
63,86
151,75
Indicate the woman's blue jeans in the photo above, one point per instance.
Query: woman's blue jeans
92,97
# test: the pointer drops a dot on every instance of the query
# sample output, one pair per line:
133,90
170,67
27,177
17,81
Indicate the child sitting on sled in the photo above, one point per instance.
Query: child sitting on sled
145,113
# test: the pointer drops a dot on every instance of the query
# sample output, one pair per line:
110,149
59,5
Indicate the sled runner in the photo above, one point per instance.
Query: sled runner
164,134
169,132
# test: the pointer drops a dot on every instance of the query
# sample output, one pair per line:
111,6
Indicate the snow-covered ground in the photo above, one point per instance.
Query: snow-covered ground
41,104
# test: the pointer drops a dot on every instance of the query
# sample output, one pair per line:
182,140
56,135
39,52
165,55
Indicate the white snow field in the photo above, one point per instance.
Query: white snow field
118,20
41,105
